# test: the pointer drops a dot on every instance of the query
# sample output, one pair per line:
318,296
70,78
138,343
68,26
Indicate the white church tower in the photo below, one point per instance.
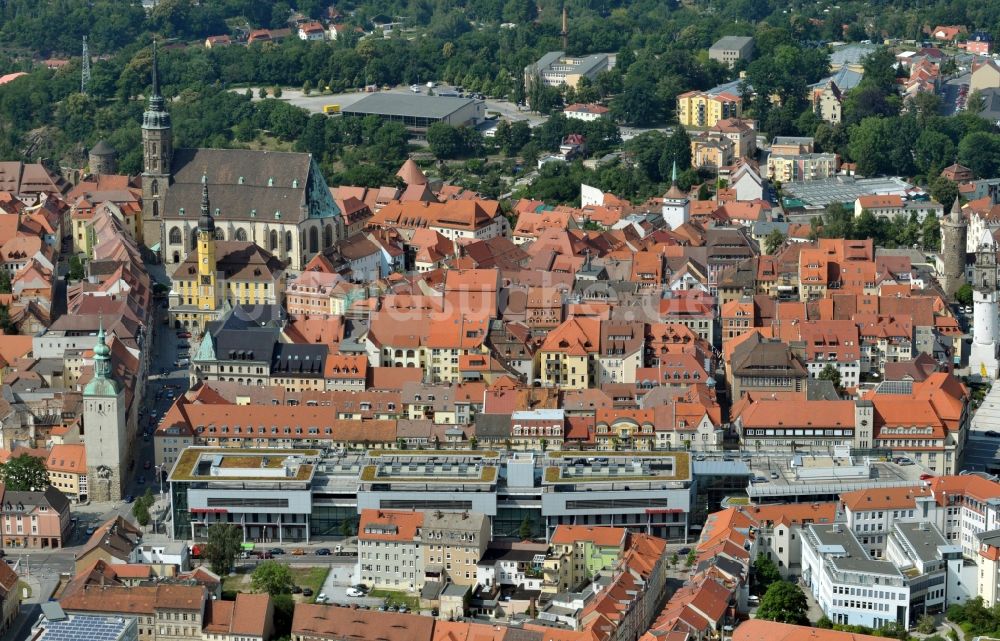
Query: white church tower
983,358
676,206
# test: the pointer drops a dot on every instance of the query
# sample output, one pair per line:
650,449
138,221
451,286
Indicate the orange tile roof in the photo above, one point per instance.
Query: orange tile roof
873,201
883,498
349,623
603,536
794,513
575,337
67,458
761,630
969,485
397,525
341,366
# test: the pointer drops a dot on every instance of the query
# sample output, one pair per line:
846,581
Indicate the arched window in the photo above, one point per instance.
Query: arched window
288,241
154,187
273,241
194,238
175,235
313,240
156,209
328,236
241,235
219,234
177,257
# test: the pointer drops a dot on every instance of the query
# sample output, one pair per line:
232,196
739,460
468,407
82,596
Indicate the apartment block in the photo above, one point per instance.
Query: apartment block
704,110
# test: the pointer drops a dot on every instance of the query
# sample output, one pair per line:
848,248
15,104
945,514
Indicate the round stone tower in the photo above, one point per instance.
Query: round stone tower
953,239
102,159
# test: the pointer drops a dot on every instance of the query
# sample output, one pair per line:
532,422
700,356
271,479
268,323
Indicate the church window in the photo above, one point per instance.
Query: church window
313,240
154,187
288,241
241,235
219,234
328,236
273,244
156,209
175,235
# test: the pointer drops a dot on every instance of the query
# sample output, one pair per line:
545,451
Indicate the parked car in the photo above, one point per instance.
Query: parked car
926,477
992,433
683,551
90,530
298,552
322,551
307,592
353,592
276,551
321,598
296,589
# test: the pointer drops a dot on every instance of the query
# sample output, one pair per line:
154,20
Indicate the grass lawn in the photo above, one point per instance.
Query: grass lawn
239,582
397,598
302,576
310,578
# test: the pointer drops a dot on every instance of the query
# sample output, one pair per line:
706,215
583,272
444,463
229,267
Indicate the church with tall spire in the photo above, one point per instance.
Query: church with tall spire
157,154
220,274
278,200
105,429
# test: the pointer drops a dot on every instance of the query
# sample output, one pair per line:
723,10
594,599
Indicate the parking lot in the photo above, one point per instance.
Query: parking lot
335,587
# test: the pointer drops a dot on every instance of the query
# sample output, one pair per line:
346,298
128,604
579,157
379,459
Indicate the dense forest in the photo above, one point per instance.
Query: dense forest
660,46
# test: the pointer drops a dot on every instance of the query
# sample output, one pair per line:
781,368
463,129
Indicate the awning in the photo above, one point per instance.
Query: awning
155,248
247,546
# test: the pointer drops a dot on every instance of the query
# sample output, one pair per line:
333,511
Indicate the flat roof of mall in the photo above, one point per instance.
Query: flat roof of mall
187,466
842,189
408,105
591,467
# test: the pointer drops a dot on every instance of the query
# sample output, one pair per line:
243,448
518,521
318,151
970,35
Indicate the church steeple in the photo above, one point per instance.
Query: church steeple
102,355
206,222
156,116
157,158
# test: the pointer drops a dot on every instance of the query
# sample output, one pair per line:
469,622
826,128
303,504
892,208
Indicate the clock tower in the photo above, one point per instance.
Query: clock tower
104,428
208,295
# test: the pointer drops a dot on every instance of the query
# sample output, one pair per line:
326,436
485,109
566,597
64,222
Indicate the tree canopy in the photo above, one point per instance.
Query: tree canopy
784,602
222,547
24,473
272,577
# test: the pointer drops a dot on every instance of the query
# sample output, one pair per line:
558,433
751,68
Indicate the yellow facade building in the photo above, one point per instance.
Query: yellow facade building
701,109
221,274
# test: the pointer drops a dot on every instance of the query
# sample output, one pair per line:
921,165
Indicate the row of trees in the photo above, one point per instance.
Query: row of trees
840,222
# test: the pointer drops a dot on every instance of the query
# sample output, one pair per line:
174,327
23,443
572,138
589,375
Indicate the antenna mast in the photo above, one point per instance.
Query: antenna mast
565,27
85,68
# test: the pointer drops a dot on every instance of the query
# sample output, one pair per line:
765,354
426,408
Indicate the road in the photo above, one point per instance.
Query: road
949,92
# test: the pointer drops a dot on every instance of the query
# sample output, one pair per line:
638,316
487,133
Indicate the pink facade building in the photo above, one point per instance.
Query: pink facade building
34,519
